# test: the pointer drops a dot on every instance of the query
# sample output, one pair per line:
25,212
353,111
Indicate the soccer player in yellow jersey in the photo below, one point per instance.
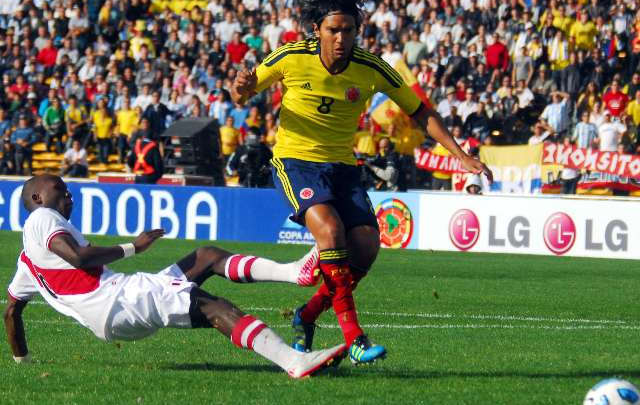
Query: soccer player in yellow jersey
327,81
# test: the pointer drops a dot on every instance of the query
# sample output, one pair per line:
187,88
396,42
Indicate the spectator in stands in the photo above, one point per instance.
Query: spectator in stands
468,106
569,177
555,116
76,118
145,160
385,167
610,133
497,57
126,123
230,138
103,124
74,162
54,126
540,134
585,133
251,161
7,158
615,100
157,113
22,139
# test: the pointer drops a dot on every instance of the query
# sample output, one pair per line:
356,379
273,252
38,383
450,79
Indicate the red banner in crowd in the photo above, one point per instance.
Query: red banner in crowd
428,161
591,159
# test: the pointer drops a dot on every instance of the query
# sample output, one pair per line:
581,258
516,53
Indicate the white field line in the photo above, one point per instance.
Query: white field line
494,317
469,316
424,326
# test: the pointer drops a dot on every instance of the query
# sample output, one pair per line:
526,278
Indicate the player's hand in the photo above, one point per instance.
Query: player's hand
245,82
145,239
476,167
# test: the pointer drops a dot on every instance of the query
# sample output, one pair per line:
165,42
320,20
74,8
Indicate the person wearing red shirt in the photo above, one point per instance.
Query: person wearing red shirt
236,49
20,87
47,55
292,34
615,100
497,56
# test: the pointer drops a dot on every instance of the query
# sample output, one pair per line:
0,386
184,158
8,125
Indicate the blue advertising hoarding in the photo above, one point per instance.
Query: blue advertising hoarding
209,213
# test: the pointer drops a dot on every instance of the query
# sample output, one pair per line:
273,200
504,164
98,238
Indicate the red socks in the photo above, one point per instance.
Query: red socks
338,288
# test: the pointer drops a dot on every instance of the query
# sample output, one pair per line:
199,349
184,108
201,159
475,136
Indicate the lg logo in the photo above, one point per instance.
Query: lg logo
464,229
559,233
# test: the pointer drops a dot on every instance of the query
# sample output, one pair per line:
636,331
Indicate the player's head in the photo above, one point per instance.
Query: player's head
335,23
47,191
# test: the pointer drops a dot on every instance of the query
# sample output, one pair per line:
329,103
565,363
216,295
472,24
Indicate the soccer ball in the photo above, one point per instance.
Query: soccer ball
613,391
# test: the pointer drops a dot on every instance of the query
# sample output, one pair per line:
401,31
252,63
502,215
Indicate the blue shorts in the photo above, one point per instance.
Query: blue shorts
304,184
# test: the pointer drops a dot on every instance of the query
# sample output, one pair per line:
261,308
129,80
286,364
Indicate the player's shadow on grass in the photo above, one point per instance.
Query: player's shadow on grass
415,374
221,367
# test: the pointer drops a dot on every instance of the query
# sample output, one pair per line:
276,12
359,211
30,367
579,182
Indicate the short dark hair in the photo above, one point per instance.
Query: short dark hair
314,11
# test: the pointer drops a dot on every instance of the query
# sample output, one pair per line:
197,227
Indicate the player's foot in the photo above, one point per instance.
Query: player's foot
309,271
362,351
308,364
303,332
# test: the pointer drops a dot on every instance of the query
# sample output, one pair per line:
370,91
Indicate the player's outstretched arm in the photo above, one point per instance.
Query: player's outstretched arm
15,329
244,86
91,256
432,121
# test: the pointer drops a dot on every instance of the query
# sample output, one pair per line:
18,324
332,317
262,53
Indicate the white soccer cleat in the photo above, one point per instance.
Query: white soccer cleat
309,272
307,364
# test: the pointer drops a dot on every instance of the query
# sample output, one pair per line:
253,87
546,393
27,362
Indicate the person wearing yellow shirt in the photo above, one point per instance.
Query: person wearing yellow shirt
559,51
127,120
102,130
633,109
328,80
136,44
365,142
562,21
583,33
230,138
406,139
77,118
440,180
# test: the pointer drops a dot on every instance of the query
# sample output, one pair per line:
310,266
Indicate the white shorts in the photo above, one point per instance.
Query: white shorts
148,302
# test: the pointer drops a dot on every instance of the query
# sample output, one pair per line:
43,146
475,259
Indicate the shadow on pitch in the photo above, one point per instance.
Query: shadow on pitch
368,371
221,367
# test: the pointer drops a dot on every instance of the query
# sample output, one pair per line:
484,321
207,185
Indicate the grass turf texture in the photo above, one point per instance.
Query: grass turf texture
460,328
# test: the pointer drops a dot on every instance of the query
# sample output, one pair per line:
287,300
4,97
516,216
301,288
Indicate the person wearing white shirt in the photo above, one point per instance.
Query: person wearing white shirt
444,107
468,106
383,14
539,135
272,32
225,29
428,38
415,9
74,162
609,133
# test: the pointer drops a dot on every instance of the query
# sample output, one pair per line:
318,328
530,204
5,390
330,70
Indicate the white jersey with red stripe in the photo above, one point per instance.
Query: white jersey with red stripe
86,295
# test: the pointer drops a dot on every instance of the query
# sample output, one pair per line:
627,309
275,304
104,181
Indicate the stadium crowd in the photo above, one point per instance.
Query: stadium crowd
96,75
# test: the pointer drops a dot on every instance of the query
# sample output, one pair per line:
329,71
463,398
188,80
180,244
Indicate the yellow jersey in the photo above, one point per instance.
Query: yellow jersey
320,110
584,35
229,139
102,124
127,121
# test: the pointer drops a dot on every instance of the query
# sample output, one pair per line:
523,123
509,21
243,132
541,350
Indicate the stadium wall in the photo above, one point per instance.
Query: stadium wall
547,225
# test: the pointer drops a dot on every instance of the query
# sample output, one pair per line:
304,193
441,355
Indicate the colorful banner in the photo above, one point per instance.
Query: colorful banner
516,169
426,160
592,160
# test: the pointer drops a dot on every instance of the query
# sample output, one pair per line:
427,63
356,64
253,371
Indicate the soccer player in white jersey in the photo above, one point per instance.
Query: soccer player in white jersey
58,263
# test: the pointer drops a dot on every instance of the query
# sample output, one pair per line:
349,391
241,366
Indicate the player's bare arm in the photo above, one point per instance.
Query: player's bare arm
244,86
90,256
15,327
432,121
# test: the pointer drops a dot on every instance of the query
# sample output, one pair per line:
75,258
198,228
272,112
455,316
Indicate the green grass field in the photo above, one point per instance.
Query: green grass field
460,329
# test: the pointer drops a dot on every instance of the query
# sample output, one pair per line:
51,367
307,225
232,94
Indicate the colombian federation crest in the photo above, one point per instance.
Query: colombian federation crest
395,222
352,94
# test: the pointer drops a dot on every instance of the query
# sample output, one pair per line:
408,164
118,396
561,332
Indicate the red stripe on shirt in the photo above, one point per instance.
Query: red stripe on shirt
66,281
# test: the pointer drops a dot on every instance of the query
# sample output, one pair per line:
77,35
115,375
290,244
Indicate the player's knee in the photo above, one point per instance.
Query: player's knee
331,235
210,254
364,245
